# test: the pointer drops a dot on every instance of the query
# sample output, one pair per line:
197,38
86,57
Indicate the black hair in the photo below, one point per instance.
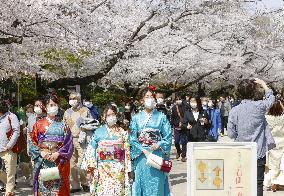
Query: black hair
4,107
52,97
246,89
143,92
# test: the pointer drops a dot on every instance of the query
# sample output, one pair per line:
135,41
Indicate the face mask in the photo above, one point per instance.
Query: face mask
28,114
127,107
150,103
52,111
160,101
73,102
210,104
193,105
37,110
179,102
204,103
111,120
88,104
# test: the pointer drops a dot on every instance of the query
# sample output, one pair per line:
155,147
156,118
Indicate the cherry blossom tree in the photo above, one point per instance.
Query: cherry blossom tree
129,43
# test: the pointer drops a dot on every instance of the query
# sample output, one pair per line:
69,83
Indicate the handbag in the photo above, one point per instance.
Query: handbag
21,144
49,174
159,162
156,161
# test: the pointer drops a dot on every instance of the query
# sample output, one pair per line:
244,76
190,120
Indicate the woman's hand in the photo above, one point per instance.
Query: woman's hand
54,156
146,152
189,126
45,155
155,146
25,130
89,177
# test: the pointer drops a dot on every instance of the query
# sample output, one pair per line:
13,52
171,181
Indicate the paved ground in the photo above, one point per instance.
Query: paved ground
177,178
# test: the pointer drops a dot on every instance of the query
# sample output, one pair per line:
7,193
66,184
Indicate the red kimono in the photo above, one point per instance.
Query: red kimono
51,136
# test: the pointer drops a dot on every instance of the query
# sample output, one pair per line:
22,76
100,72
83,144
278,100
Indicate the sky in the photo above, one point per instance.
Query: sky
270,4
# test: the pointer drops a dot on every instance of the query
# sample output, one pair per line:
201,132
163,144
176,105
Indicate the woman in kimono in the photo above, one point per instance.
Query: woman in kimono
150,133
107,159
39,113
274,177
52,148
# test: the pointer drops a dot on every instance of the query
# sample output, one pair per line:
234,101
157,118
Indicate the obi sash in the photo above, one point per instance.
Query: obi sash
52,139
148,136
111,150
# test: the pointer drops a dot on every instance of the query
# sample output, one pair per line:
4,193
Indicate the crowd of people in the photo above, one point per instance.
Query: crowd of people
125,150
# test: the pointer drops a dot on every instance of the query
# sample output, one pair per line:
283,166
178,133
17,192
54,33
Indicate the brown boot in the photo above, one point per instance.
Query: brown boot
183,159
275,187
177,156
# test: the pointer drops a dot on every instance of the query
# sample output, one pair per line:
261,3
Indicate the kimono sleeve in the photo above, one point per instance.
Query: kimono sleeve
128,167
90,158
166,131
66,150
136,147
34,149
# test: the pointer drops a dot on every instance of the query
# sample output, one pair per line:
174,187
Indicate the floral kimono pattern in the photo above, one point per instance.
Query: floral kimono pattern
107,159
50,136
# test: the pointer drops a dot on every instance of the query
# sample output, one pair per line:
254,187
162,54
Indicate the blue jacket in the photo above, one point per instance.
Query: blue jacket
215,121
94,112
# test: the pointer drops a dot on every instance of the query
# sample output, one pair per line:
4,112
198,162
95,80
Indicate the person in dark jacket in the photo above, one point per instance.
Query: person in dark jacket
199,122
179,121
161,103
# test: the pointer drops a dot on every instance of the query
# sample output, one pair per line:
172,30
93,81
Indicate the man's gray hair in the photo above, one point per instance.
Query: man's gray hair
76,95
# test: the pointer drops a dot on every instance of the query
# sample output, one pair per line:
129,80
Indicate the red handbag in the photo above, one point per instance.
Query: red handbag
21,144
166,166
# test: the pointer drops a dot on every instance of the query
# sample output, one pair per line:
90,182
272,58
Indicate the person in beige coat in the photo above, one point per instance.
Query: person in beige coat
74,117
274,175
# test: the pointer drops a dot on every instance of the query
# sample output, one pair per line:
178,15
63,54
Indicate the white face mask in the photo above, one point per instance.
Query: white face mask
37,110
150,103
193,105
52,111
160,101
111,120
87,104
210,104
204,103
73,102
179,102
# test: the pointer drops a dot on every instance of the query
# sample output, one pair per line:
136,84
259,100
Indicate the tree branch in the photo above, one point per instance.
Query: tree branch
141,25
99,5
152,29
10,40
185,14
111,61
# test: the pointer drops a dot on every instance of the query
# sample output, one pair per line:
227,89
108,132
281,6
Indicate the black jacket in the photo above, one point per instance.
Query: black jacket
175,119
198,132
